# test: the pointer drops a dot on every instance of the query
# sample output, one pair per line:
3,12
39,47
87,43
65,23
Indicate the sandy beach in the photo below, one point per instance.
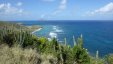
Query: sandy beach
36,30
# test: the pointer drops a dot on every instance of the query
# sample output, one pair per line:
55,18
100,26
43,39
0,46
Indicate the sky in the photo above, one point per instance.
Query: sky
56,10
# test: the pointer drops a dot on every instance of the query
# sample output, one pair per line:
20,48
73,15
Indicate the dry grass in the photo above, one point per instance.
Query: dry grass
48,59
17,55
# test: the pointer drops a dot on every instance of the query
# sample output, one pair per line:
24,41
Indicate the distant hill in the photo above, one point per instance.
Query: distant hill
17,26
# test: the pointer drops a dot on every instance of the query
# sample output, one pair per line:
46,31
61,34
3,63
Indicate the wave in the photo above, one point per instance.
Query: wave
56,29
53,35
54,32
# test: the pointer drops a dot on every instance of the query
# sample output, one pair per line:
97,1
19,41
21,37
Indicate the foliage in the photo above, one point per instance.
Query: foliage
49,52
109,59
18,55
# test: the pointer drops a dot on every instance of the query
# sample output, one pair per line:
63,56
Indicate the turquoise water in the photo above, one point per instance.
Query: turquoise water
97,35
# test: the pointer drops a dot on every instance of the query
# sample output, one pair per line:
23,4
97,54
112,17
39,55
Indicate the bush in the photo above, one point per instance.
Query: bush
109,59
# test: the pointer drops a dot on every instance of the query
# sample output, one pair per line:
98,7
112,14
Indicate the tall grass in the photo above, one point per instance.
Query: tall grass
18,55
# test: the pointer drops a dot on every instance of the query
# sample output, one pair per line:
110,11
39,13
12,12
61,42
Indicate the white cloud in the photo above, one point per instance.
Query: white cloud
107,9
63,4
1,6
19,4
8,9
61,7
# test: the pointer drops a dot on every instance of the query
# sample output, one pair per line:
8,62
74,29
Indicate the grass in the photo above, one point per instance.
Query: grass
18,55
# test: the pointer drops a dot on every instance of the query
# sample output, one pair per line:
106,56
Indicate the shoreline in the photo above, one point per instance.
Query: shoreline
36,30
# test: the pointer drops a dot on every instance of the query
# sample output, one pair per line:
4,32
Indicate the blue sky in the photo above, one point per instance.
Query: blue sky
56,9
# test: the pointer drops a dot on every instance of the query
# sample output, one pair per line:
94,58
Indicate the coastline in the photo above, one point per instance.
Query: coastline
36,30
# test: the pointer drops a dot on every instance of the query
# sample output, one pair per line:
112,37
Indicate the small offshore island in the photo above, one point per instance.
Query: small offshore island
18,45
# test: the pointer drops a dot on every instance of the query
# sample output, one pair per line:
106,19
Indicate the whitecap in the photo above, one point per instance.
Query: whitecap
53,35
56,29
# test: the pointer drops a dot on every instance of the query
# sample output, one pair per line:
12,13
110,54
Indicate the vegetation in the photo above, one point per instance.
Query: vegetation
20,46
18,55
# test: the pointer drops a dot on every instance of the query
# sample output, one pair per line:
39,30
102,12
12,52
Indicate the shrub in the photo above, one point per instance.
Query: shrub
109,59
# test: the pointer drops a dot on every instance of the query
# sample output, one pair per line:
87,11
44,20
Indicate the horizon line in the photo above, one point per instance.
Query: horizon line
51,20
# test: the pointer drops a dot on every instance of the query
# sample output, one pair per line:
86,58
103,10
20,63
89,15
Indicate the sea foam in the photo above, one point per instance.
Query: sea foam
53,35
57,29
54,32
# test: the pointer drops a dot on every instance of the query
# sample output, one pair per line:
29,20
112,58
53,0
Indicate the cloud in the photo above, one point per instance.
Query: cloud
8,9
107,9
19,4
61,7
63,4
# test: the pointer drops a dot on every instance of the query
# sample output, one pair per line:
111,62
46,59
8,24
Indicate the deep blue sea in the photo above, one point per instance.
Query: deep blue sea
97,35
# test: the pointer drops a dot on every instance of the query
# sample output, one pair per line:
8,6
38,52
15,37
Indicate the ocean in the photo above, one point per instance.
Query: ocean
97,35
